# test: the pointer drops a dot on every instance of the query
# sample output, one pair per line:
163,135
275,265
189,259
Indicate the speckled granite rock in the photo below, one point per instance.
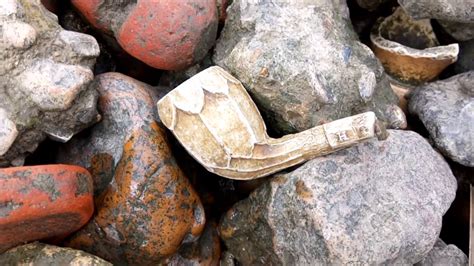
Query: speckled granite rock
442,255
452,10
150,208
40,254
303,64
44,76
361,205
446,108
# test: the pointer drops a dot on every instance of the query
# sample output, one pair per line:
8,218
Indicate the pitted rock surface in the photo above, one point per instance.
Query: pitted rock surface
361,205
44,76
39,202
42,254
149,209
446,108
303,64
169,35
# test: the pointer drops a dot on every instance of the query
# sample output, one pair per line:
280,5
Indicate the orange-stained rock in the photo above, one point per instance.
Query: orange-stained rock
150,208
169,35
39,202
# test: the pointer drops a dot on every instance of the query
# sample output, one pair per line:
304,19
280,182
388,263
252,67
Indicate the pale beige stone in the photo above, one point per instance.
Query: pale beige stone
8,132
214,118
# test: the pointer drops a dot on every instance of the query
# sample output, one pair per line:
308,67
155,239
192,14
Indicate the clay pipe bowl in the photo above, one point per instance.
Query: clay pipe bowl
214,118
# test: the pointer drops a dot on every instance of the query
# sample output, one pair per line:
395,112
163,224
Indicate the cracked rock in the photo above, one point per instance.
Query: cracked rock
303,64
44,76
361,205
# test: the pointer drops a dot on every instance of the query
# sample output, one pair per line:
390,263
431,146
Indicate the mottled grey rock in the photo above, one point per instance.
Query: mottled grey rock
44,76
303,64
458,30
452,10
40,254
442,255
380,202
446,108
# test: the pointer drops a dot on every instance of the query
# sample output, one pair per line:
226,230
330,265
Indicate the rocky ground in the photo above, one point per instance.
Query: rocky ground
89,175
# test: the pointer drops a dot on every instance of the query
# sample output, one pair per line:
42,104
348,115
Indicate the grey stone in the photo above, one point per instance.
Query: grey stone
44,76
458,30
452,10
442,255
303,64
380,202
446,108
40,254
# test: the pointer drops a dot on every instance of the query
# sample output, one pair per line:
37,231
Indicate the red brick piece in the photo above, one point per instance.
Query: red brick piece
169,35
39,202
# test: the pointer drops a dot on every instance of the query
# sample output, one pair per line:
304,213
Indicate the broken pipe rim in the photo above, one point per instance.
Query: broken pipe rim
425,64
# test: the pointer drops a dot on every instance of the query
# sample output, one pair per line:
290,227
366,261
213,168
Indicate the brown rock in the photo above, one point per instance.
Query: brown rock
39,202
150,208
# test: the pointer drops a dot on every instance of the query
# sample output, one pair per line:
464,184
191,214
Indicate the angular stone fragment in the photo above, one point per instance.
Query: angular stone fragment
167,35
44,76
446,108
361,205
302,63
38,202
149,208
443,254
452,10
42,254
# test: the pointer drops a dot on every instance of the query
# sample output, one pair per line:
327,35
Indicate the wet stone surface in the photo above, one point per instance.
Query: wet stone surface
149,209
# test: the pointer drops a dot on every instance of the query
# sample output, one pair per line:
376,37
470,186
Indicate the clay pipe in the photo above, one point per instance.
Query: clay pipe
214,118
